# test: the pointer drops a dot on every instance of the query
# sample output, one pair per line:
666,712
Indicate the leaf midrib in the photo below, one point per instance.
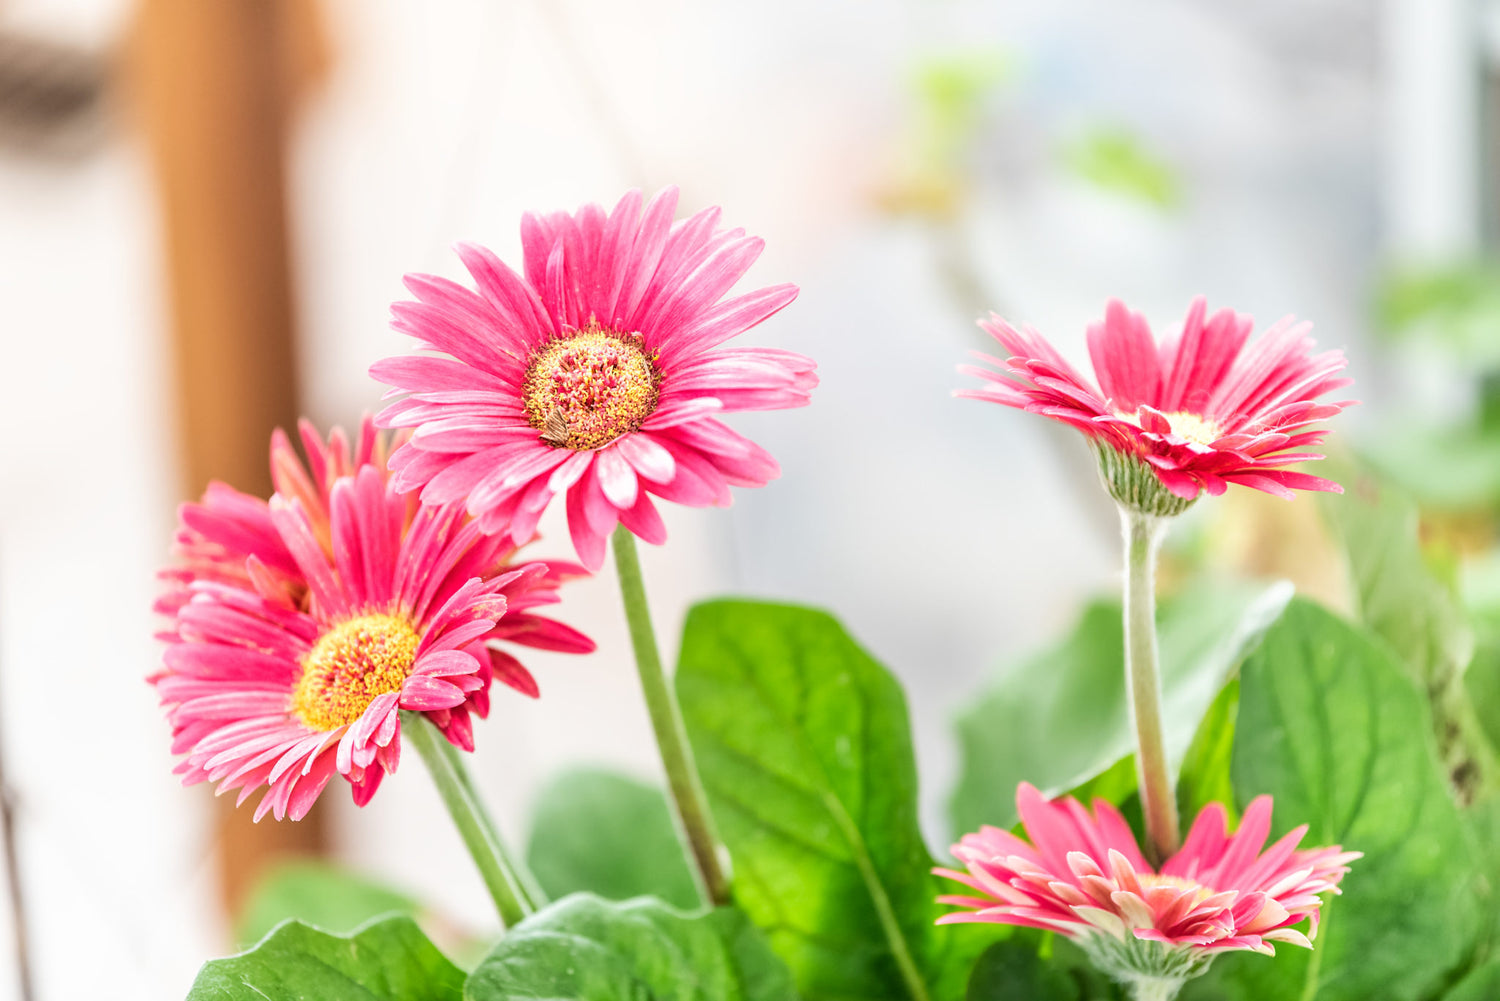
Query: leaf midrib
884,911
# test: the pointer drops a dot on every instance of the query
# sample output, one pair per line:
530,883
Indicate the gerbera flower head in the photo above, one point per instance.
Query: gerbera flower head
1083,875
1194,414
301,626
596,374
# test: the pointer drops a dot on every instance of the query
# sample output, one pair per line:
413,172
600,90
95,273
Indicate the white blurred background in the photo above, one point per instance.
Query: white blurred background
908,163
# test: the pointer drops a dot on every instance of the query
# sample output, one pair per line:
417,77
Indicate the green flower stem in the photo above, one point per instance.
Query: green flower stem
695,825
1155,989
1143,534
468,813
533,897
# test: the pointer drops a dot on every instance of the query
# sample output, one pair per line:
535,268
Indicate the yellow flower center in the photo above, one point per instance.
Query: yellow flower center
1194,427
585,390
350,665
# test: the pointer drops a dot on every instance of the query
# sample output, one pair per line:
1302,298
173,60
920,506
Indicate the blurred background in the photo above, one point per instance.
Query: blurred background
206,209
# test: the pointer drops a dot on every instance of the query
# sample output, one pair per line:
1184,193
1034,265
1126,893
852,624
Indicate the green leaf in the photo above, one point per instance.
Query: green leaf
1410,600
1206,771
1482,680
1061,718
1481,985
640,857
1012,971
322,895
1332,728
1018,970
805,750
386,960
1400,594
585,948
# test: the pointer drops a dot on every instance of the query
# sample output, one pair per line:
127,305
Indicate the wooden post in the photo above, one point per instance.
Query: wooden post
211,84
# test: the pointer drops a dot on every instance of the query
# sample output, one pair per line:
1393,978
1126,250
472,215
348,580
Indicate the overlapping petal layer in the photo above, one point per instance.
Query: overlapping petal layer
300,626
1082,874
1202,410
596,374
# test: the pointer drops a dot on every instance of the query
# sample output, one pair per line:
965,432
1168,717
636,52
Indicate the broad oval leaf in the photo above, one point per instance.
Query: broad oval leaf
641,855
1330,726
584,948
805,750
1061,718
386,960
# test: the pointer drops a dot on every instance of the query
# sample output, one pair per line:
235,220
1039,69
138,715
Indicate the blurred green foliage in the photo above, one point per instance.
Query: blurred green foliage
1118,161
951,92
1456,305
1060,719
325,896
570,852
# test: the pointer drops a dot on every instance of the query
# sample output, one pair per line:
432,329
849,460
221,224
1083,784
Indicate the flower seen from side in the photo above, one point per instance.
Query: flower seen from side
1191,415
596,374
301,626
1082,874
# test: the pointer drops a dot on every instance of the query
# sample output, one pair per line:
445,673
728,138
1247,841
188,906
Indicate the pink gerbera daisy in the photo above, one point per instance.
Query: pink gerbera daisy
227,533
595,374
1083,875
301,626
1194,414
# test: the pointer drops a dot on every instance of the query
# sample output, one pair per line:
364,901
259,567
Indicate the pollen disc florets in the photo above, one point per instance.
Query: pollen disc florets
350,665
584,390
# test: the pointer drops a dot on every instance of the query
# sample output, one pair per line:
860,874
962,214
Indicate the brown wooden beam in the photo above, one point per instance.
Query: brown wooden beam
211,82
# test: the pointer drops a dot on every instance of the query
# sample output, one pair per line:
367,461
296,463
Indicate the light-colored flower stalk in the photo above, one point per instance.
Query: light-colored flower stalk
1143,535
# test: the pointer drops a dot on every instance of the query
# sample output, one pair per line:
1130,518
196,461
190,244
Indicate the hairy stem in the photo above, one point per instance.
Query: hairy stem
1143,534
533,897
1155,989
695,825
469,816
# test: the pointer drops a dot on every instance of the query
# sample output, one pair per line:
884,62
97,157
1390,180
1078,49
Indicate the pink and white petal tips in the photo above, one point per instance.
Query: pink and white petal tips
1196,413
1083,875
595,373
303,625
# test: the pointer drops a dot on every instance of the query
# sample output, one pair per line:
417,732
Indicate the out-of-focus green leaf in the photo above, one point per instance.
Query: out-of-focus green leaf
1206,771
1457,305
805,750
1331,727
1482,682
952,88
1013,970
1453,467
1118,161
1409,598
322,895
1060,718
1400,594
584,948
386,960
1481,985
604,833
